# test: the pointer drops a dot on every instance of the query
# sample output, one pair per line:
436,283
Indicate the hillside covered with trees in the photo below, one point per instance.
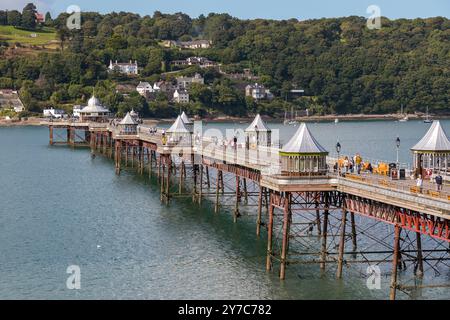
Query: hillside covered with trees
342,65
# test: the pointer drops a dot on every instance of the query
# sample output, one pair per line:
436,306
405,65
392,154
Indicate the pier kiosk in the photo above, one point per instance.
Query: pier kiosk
258,134
303,155
179,133
432,153
128,125
94,111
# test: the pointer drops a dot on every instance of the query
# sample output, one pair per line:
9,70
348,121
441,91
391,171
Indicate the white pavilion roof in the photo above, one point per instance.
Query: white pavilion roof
185,118
434,140
128,120
303,142
259,124
178,127
94,106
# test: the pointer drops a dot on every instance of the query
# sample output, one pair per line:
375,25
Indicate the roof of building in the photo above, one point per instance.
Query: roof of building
128,120
143,85
434,140
133,113
185,118
94,106
257,125
303,143
178,127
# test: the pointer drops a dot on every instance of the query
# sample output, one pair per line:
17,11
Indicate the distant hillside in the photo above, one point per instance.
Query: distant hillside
342,66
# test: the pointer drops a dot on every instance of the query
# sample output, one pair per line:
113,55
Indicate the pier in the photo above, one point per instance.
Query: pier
312,213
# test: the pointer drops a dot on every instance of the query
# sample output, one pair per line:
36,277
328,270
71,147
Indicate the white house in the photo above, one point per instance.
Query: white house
76,110
181,96
144,88
195,44
127,68
53,113
258,92
185,82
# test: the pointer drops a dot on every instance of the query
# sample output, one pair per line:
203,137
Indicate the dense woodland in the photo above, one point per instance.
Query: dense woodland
342,65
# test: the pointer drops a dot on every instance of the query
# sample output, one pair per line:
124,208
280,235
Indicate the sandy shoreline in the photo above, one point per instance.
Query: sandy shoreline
327,118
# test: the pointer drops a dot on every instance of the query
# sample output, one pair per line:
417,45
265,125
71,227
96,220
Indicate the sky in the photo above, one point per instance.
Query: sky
250,9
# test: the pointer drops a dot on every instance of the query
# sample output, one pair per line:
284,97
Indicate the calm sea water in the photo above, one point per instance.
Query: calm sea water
59,208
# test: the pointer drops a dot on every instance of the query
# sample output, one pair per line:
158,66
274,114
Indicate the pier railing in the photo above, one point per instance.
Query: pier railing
405,186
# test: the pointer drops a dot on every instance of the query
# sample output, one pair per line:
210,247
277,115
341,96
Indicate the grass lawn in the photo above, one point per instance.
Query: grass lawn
13,35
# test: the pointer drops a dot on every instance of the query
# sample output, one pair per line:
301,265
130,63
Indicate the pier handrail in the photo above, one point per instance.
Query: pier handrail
396,186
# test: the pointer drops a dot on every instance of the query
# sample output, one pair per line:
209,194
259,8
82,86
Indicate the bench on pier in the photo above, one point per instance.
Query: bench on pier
382,169
434,194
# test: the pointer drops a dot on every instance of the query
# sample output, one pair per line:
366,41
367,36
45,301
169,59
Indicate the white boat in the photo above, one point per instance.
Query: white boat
336,120
427,118
405,118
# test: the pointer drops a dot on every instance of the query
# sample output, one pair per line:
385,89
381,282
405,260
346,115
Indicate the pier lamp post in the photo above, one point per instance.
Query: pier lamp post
397,143
338,150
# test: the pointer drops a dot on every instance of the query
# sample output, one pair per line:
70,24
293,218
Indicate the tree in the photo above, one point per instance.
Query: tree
3,18
29,17
48,19
14,18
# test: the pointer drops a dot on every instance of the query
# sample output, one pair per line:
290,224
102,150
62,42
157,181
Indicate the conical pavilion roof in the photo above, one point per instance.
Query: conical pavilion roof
178,127
128,120
434,140
257,125
303,143
185,118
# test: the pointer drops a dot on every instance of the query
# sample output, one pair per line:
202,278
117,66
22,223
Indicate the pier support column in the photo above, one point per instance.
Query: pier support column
222,186
324,236
269,237
87,136
395,260
50,132
117,155
216,206
150,162
286,230
105,143
200,185
161,178
141,157
111,143
180,185
126,153
352,220
159,164
419,267
244,181
208,183
341,244
68,135
236,203
258,218
167,185
318,222
194,191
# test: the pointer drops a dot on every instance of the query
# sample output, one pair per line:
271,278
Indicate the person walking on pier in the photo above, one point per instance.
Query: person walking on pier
346,164
439,181
419,183
358,162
